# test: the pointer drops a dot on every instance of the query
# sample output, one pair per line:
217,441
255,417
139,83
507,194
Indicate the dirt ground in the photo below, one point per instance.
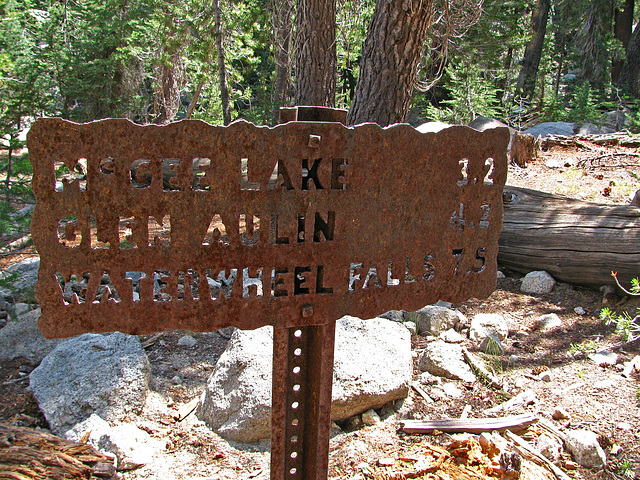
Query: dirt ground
597,398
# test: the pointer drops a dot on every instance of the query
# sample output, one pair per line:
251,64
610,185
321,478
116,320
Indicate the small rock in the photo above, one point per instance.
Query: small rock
433,319
519,382
585,449
491,345
500,275
549,321
604,384
485,324
386,462
94,424
132,447
537,282
545,129
21,308
446,360
451,390
451,336
544,376
370,417
514,359
353,423
552,163
549,446
579,310
624,426
412,327
603,358
187,341
394,315
176,380
428,379
442,303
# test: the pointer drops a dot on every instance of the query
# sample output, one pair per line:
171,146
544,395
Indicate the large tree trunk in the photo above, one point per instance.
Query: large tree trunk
222,70
574,241
630,75
316,58
622,29
281,11
533,51
390,58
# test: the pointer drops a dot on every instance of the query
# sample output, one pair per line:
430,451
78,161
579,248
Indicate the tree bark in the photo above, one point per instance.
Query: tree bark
390,58
630,75
622,29
316,55
222,70
574,241
282,10
533,51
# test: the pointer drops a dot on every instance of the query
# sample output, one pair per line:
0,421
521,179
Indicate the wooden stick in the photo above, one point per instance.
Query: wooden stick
551,428
465,412
481,369
469,425
421,391
526,450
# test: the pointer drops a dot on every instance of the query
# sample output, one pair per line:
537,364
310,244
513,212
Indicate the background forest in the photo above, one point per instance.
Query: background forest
155,61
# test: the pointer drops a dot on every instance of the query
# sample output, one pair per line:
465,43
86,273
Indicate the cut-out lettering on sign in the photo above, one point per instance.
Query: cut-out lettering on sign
197,227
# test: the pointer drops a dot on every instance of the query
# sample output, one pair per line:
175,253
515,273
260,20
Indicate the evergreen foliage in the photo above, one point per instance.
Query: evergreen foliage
147,60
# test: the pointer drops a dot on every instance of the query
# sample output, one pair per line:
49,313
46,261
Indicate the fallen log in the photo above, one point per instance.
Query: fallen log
575,241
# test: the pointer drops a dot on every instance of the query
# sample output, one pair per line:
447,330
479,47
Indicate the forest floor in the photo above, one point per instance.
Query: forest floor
595,397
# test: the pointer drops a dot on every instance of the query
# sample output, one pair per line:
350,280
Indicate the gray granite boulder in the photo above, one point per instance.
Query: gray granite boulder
21,338
22,277
103,374
551,128
372,366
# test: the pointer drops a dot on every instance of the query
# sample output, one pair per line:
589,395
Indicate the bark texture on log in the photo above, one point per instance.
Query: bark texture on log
29,454
574,241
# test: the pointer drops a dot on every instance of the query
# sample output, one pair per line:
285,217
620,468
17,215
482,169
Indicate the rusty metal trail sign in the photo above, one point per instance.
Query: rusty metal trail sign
146,228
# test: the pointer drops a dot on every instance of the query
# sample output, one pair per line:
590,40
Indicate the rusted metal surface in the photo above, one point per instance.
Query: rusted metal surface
303,372
197,227
301,413
359,220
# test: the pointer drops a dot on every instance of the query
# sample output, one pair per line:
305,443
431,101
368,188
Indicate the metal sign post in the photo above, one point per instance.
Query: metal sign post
189,226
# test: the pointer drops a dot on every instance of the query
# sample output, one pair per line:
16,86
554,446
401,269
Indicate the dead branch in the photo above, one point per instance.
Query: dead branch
470,425
480,369
530,453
